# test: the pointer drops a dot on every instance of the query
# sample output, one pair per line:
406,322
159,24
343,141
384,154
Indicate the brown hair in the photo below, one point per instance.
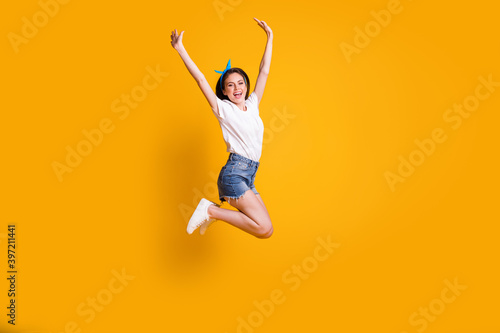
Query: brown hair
218,88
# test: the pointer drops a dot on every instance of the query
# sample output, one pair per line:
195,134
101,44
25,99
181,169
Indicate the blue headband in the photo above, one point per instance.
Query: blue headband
228,67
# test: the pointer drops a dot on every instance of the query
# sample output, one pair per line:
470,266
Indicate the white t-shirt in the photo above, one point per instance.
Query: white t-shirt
243,131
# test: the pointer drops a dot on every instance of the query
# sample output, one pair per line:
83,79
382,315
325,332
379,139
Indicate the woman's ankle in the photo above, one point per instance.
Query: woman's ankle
211,210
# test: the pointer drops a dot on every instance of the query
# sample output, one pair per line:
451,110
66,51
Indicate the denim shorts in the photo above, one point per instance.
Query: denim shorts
237,177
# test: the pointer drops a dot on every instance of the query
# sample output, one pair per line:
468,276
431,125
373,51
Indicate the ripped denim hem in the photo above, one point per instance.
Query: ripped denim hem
232,197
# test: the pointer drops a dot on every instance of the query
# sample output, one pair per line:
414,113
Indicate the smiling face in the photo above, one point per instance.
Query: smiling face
235,88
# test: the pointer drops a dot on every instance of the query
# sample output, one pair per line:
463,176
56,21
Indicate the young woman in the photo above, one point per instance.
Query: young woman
243,130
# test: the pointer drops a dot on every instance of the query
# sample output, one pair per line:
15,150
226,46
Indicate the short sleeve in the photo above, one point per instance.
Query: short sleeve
253,99
221,105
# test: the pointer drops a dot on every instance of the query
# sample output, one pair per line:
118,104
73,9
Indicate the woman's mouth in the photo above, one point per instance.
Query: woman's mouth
237,95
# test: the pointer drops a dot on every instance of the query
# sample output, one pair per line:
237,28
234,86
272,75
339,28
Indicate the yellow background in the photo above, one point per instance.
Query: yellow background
321,174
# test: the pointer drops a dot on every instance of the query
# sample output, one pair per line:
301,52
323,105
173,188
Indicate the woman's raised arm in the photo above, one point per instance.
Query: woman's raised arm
260,84
193,69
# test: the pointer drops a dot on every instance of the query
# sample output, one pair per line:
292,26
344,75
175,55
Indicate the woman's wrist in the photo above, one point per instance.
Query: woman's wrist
179,48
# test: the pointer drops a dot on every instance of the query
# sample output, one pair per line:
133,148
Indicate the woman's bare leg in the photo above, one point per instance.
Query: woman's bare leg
252,216
261,201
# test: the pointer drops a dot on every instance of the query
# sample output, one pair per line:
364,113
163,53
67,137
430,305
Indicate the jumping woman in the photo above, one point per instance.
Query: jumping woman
243,131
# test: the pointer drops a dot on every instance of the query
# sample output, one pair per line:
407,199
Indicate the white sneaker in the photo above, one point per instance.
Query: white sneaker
200,216
205,226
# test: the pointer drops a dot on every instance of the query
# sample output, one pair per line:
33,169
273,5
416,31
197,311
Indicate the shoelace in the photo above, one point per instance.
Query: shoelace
208,218
199,224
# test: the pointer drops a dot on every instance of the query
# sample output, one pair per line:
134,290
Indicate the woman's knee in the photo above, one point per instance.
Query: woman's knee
265,231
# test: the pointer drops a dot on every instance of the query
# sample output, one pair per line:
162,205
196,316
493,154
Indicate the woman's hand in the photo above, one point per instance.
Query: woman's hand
176,39
264,26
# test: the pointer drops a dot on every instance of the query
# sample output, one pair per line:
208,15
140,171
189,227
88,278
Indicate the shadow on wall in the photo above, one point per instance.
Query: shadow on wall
180,170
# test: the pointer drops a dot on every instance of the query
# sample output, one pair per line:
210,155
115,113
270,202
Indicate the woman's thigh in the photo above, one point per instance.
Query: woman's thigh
252,206
262,202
